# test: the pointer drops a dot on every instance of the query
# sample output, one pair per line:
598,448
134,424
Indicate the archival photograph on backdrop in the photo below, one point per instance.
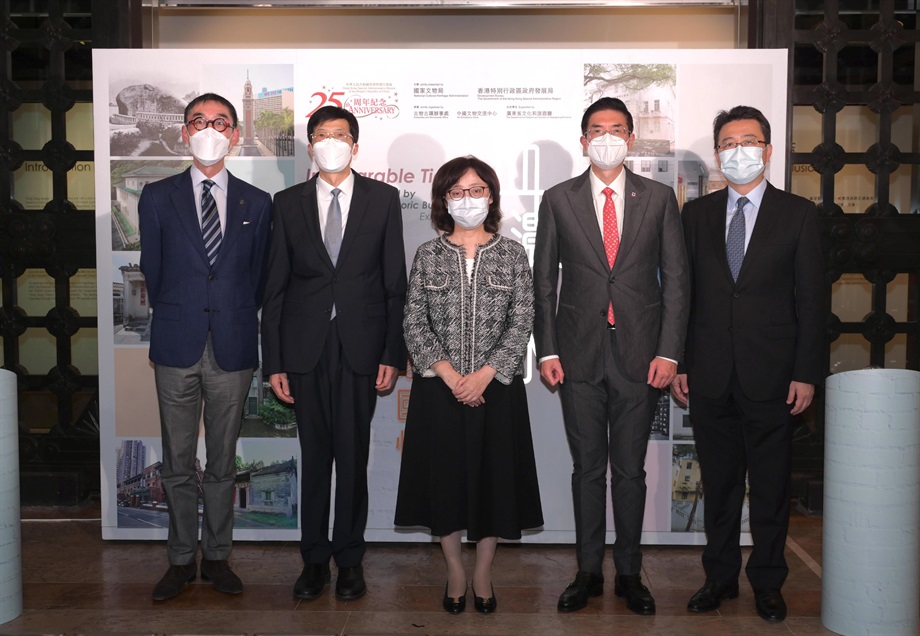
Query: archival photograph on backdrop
522,118
687,496
146,107
265,487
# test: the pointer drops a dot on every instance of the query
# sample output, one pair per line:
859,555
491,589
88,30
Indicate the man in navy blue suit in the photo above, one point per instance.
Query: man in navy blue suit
204,236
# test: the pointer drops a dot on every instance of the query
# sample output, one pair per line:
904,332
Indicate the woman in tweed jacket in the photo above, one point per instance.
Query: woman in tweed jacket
468,461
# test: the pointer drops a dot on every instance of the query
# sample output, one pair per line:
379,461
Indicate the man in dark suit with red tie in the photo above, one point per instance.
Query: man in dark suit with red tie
753,356
204,237
611,335
332,338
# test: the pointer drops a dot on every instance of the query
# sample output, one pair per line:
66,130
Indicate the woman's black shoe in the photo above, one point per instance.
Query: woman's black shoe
485,605
454,605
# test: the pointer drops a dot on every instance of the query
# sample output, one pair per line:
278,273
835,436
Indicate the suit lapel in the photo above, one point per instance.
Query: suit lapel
715,230
183,200
635,204
310,211
236,212
581,201
763,227
360,201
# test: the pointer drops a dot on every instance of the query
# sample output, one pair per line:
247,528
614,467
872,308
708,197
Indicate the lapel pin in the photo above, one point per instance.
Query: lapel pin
633,195
243,201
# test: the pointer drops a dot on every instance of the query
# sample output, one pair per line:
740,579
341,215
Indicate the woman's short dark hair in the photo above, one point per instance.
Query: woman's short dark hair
328,113
447,176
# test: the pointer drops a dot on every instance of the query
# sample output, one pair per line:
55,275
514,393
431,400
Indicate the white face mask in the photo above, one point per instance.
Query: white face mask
469,212
208,146
607,151
742,165
332,155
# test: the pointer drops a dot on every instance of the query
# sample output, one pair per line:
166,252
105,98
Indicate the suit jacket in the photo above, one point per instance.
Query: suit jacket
190,299
648,285
367,284
769,326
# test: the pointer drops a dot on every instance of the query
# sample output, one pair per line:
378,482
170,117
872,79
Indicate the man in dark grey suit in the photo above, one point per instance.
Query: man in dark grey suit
615,338
754,354
204,236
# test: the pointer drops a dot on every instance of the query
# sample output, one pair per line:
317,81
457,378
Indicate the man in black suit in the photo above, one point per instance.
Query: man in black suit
614,337
753,356
332,337
205,236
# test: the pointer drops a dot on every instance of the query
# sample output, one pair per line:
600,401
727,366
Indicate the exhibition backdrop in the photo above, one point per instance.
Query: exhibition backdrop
518,110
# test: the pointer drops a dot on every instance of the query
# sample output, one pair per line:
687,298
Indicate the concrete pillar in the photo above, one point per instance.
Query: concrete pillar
10,541
871,560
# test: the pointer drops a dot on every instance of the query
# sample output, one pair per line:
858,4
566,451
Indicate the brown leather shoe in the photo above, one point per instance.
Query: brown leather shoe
173,582
220,574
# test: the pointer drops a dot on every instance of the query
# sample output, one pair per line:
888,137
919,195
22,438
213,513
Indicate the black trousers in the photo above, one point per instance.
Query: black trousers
737,437
334,407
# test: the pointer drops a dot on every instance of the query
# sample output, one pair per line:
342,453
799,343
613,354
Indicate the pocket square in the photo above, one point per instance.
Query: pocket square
246,222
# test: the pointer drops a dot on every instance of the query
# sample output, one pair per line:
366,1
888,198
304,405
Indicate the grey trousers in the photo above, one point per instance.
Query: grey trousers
608,420
180,393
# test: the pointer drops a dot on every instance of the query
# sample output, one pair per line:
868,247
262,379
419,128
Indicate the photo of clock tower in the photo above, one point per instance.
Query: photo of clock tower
247,132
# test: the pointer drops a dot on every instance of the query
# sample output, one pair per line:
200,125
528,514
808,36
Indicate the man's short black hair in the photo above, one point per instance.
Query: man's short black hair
736,114
606,103
212,97
328,113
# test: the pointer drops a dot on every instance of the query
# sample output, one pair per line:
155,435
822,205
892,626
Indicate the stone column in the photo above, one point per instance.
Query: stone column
871,547
10,542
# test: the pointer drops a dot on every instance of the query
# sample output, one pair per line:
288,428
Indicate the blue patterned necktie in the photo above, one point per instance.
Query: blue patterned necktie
210,221
734,242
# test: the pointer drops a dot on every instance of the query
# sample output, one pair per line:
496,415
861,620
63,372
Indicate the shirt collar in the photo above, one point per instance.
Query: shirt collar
220,179
324,188
597,186
755,196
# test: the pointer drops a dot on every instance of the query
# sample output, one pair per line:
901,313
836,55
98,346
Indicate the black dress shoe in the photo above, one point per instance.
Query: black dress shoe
221,576
453,605
350,583
638,598
770,605
711,595
485,605
575,596
173,582
312,580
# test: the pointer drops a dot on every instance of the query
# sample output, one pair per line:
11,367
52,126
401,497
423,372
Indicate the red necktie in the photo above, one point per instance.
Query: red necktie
611,238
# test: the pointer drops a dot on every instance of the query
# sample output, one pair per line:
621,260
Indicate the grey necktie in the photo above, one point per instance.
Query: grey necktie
734,242
210,221
333,234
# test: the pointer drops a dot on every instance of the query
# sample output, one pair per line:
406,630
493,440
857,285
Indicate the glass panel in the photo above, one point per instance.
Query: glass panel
904,63
33,185
899,189
896,352
857,128
807,63
902,129
849,352
78,63
35,291
896,297
83,292
80,125
854,189
37,411
81,185
851,297
806,128
29,64
857,65
806,182
32,126
83,351
37,350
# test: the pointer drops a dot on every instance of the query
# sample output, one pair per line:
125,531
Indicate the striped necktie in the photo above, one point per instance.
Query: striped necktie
210,221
